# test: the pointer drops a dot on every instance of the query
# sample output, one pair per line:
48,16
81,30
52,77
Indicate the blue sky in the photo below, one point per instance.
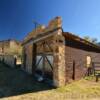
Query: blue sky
81,17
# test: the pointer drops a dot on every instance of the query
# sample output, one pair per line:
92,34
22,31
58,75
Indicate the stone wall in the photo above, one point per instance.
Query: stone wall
59,59
41,29
69,56
9,60
56,42
1,58
10,47
15,47
27,61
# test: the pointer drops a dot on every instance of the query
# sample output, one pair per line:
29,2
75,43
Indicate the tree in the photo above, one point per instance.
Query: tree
98,43
92,40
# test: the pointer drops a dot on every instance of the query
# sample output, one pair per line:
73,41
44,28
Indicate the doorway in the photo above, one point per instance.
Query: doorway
44,66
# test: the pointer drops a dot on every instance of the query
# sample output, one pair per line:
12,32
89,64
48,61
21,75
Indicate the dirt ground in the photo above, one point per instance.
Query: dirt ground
18,85
13,82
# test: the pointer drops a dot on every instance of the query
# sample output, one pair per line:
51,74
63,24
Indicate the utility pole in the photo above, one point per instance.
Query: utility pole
36,24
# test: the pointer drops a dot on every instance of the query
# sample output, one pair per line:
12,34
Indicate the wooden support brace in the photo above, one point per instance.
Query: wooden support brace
49,63
43,65
38,61
49,47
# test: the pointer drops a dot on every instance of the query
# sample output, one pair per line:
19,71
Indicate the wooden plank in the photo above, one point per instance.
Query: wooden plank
96,70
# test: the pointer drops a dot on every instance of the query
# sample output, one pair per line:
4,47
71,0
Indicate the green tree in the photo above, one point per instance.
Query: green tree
92,40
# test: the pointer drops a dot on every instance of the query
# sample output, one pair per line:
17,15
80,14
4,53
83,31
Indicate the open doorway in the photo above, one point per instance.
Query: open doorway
44,66
43,61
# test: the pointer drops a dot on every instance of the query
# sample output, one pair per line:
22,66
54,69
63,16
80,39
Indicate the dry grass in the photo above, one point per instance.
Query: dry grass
81,90
17,85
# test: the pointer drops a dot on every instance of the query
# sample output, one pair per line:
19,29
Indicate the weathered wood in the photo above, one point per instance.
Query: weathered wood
38,62
49,47
97,77
34,58
73,76
43,65
46,53
96,66
49,63
24,58
43,55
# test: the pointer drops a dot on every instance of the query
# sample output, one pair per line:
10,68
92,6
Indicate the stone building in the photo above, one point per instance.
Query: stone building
10,47
11,52
58,55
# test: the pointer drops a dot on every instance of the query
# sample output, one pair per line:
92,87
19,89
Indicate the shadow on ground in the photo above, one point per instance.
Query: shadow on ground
13,81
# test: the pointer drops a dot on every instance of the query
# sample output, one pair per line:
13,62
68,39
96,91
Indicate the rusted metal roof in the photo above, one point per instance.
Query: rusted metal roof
79,39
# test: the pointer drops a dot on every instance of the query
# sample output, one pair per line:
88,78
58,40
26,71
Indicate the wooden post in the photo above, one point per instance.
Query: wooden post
24,58
97,78
43,65
43,55
34,58
15,59
73,77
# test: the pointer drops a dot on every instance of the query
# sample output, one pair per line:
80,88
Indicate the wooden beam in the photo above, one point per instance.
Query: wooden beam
38,61
34,58
49,47
46,53
24,58
43,65
49,63
42,37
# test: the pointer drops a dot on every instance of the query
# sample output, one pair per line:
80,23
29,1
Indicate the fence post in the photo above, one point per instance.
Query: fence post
73,77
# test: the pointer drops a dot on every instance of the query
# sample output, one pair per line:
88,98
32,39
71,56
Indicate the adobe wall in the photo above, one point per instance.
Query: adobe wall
79,56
